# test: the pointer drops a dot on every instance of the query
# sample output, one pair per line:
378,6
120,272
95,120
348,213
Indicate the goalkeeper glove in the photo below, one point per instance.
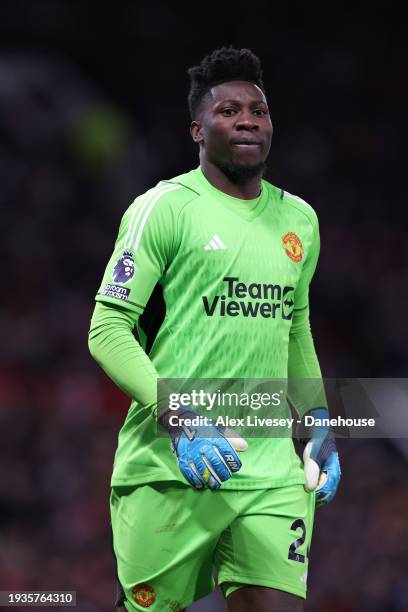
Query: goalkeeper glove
205,455
321,460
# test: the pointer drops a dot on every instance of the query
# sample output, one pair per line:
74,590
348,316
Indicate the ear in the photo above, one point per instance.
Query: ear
196,132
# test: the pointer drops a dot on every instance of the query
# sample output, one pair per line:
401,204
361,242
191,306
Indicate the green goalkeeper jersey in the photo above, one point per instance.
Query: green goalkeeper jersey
235,276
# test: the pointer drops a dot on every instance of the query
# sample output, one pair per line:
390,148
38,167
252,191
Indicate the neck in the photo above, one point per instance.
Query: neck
247,190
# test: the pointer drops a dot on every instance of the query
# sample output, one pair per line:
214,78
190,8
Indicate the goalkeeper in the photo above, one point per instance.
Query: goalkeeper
232,257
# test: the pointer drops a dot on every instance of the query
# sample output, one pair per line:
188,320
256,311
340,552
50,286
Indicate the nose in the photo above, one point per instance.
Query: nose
246,121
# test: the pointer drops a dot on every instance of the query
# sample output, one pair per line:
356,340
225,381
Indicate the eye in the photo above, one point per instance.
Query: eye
260,112
228,112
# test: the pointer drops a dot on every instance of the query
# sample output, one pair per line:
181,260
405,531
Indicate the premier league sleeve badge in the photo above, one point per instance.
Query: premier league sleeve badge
124,270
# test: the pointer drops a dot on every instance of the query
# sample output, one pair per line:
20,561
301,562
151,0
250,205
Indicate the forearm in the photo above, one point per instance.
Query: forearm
112,344
306,389
303,361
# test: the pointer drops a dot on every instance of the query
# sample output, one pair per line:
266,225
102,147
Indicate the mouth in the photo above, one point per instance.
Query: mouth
245,143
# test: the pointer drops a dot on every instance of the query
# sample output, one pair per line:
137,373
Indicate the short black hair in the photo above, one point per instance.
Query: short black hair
222,65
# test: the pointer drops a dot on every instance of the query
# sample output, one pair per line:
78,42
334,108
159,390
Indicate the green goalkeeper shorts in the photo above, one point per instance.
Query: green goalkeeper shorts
168,537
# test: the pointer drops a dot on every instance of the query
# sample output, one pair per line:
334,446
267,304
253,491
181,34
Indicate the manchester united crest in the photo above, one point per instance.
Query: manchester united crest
293,246
144,594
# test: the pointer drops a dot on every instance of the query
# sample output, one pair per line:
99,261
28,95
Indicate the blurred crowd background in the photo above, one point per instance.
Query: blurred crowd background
93,112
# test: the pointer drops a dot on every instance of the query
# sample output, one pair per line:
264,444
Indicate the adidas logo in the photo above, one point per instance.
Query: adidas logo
215,244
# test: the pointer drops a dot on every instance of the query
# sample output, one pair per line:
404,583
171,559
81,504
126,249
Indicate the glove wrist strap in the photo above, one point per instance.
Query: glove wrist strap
175,431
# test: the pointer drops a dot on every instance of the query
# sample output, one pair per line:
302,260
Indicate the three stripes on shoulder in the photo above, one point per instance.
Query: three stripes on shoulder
143,209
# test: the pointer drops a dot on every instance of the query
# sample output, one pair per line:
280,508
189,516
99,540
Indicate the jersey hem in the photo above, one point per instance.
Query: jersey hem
253,485
266,483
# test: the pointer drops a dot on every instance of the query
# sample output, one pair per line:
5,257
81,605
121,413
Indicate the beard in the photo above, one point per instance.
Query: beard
240,174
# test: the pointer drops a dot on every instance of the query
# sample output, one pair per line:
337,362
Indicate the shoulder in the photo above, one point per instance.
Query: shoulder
299,206
172,192
189,181
157,208
294,204
169,196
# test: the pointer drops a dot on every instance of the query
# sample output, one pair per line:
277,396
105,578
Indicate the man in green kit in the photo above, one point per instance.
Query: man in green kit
234,256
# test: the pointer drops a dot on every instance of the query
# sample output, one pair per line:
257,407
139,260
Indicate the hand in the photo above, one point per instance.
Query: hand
206,454
321,461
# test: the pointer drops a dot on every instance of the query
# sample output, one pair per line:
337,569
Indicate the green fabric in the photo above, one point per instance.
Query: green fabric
114,347
236,292
168,536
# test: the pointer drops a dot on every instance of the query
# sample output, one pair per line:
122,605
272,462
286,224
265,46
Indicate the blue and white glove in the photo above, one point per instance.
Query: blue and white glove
321,460
205,455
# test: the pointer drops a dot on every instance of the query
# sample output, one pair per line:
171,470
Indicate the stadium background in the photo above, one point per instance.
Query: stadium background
92,112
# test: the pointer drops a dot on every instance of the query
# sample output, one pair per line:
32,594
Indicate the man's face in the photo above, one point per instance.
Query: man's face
234,128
